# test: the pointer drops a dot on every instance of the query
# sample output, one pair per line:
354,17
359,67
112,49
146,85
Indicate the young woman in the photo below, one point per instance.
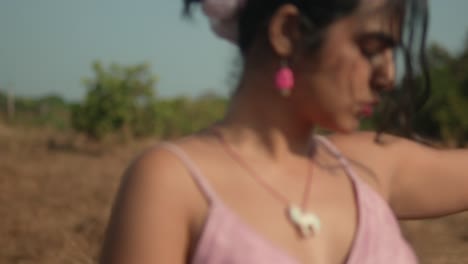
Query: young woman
260,186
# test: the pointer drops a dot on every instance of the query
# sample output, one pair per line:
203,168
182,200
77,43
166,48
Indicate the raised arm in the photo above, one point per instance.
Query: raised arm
416,180
428,182
150,220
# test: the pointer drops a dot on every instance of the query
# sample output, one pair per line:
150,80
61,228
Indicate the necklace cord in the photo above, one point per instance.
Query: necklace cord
233,154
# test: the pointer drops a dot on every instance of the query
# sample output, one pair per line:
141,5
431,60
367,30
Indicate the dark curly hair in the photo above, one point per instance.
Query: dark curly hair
401,104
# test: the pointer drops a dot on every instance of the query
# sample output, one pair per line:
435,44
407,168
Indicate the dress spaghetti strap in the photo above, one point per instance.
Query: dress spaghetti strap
338,155
193,170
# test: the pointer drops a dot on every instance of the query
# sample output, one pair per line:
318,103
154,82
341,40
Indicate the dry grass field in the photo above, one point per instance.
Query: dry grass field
55,197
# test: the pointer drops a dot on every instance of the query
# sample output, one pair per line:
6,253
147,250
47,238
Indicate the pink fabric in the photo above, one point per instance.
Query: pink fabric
226,239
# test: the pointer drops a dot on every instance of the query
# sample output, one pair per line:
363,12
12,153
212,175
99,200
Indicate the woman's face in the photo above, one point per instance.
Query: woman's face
341,83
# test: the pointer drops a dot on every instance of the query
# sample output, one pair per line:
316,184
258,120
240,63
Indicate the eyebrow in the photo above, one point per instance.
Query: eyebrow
382,36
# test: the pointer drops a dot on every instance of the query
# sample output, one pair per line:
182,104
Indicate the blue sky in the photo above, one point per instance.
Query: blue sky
47,46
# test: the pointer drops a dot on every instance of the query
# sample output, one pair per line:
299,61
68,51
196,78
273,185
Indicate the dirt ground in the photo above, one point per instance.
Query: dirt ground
56,193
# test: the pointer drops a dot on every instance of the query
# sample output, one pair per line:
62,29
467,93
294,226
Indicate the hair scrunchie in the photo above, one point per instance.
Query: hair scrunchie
223,16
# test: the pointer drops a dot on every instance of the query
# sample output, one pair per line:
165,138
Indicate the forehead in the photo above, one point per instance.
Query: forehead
380,15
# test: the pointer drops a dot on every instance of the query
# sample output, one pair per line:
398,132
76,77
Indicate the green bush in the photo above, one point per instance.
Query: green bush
119,99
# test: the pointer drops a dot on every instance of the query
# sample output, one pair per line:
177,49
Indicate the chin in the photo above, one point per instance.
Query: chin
346,126
343,124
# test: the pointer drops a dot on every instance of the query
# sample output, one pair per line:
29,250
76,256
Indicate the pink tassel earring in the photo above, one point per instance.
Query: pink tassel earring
284,79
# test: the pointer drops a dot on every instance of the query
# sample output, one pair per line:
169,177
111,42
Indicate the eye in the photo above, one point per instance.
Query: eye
374,44
372,47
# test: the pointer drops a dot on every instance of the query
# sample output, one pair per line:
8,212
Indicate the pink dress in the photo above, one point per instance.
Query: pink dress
226,239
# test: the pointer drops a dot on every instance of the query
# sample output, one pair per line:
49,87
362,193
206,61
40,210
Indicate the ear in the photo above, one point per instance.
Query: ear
283,30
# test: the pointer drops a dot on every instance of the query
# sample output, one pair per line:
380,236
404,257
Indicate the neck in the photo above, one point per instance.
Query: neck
260,117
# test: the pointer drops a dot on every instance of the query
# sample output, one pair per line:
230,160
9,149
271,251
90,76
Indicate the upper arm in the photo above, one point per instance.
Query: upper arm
416,180
428,182
150,219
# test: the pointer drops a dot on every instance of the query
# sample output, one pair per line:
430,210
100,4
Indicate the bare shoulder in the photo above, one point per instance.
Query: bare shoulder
366,137
158,167
367,143
374,159
153,213
161,170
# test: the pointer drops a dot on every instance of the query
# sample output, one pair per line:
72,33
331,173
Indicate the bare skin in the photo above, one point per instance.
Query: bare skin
160,212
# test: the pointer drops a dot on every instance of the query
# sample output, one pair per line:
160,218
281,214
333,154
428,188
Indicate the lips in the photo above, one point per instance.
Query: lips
367,110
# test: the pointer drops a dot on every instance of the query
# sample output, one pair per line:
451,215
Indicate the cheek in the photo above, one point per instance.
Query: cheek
328,95
329,88
351,84
360,78
349,78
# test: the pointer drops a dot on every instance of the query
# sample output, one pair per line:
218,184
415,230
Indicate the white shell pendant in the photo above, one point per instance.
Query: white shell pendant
305,222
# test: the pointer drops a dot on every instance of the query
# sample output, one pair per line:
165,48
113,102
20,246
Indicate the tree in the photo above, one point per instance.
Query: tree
119,99
444,115
181,115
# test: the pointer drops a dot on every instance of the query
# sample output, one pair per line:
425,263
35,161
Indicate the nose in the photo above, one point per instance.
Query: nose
384,71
